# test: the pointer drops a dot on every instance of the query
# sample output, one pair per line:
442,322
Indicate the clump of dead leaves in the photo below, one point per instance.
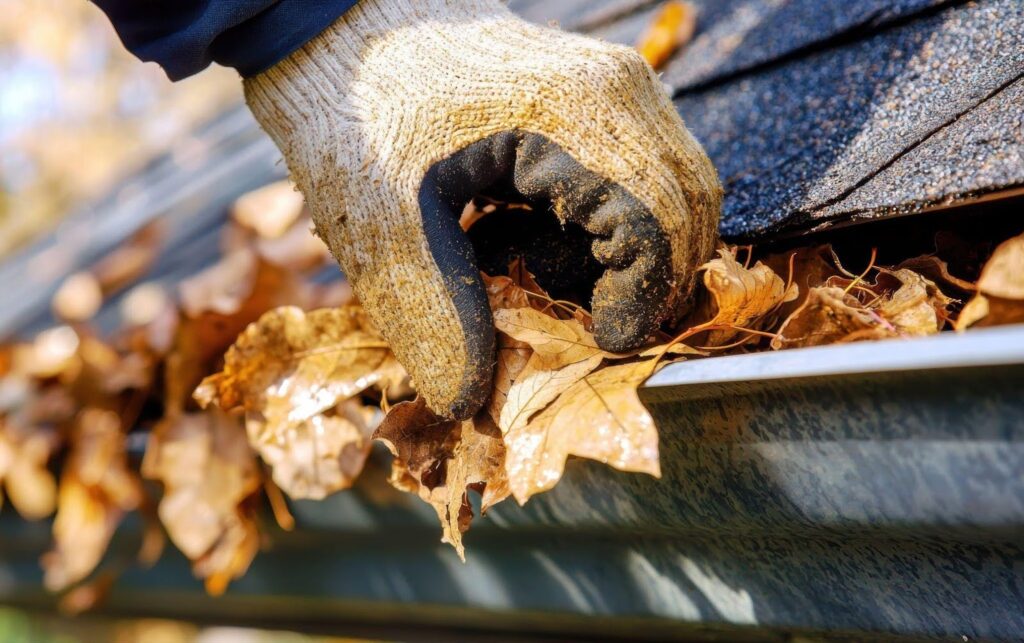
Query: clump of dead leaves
254,380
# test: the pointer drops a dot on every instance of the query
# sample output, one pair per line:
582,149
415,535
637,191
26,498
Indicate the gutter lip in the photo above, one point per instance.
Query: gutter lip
998,346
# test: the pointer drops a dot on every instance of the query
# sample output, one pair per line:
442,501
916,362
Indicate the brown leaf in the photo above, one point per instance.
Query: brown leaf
78,299
297,248
740,296
1003,274
511,354
24,454
917,307
538,384
803,268
203,335
441,460
677,349
96,490
831,316
290,368
130,261
51,353
503,292
1000,298
559,342
324,454
221,288
600,417
937,270
269,211
231,555
208,471
672,28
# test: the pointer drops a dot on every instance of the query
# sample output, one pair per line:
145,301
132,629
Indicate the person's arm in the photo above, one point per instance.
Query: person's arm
185,36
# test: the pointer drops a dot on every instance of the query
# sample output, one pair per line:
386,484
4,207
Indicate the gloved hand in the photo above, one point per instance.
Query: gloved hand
402,110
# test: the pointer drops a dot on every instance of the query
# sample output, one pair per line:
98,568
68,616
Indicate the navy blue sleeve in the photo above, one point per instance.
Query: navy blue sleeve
185,36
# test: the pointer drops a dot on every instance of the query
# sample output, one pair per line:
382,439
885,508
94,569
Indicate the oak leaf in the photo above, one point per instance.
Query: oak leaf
599,417
441,460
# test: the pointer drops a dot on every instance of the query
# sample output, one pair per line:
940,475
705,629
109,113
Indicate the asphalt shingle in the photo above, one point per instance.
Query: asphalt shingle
980,153
737,35
796,138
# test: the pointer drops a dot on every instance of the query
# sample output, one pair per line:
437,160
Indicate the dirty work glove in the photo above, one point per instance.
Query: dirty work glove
402,110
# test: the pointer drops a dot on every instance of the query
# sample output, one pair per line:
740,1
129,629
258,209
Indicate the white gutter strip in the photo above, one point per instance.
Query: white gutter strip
975,348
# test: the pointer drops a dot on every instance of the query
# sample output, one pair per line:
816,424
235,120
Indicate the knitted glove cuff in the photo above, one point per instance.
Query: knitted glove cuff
310,82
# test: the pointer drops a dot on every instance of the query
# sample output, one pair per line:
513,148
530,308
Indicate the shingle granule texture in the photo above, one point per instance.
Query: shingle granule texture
740,34
732,35
794,139
981,152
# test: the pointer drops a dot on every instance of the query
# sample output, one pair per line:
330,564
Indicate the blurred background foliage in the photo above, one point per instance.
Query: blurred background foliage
77,112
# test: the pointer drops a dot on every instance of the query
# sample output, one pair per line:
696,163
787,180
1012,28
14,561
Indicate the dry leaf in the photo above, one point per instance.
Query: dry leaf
831,316
600,417
24,454
297,248
803,269
503,292
672,28
231,555
917,307
1003,274
740,296
559,342
1000,298
96,490
441,460
937,270
51,353
324,454
130,261
78,299
537,385
203,334
290,368
208,471
511,354
269,211
221,288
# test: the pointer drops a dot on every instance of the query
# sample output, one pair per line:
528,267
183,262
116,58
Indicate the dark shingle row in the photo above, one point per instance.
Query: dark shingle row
794,139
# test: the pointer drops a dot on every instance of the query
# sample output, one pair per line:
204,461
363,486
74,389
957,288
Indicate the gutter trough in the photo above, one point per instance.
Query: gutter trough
848,492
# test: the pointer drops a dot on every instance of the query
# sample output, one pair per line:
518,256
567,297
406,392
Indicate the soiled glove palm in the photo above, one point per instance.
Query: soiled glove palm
395,116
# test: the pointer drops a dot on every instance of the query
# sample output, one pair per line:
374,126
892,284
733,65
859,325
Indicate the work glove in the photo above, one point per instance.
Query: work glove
393,118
